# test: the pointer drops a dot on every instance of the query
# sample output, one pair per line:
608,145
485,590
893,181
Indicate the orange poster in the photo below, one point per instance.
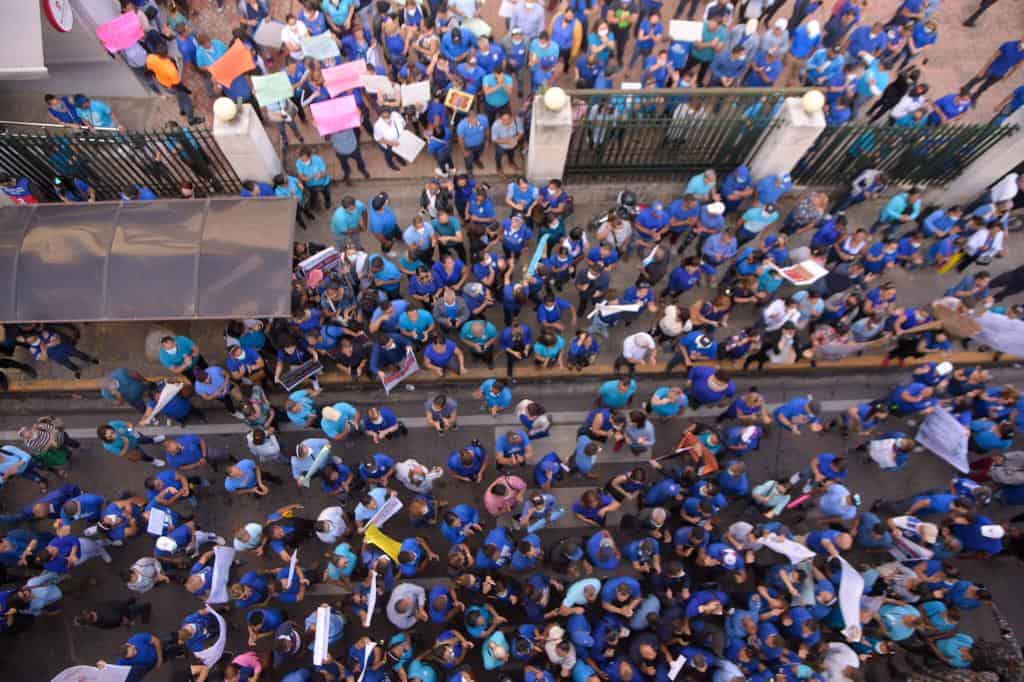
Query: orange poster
236,61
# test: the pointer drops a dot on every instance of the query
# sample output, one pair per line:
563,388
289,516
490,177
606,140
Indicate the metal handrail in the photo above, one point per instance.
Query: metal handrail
33,124
691,91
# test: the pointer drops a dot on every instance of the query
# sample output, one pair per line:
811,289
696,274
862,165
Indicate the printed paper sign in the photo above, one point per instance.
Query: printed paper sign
320,47
803,273
272,89
391,506
458,100
333,115
236,61
344,77
120,33
157,522
323,629
408,367
373,83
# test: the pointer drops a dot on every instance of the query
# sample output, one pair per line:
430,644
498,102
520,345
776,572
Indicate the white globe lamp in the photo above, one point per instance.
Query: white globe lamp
224,109
813,101
555,99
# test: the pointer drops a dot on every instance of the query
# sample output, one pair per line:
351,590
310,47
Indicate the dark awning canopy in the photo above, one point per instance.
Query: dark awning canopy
155,260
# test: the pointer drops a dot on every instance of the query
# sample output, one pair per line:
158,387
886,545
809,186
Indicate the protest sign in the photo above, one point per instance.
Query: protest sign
793,551
268,34
415,94
87,673
458,100
323,629
851,587
333,115
941,433
344,77
236,61
121,32
803,273
407,368
409,145
320,47
158,521
272,89
223,557
211,655
373,83
685,31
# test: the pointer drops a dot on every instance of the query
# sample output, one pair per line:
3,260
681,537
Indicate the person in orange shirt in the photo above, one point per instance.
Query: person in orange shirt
165,71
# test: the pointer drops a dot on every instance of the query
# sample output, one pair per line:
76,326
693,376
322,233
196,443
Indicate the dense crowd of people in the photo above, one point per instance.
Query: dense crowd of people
704,571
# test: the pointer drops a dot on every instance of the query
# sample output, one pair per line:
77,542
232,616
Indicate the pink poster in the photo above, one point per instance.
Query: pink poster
336,114
344,77
120,33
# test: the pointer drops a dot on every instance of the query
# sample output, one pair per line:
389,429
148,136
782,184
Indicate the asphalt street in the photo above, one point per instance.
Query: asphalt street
55,642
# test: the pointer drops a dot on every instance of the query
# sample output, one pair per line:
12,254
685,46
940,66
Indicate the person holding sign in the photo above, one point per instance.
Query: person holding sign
387,132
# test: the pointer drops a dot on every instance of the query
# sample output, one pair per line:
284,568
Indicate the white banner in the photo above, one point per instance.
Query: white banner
328,259
291,569
87,673
318,463
371,603
323,629
941,433
166,393
392,506
407,368
223,557
210,656
1001,333
367,655
793,551
883,452
851,587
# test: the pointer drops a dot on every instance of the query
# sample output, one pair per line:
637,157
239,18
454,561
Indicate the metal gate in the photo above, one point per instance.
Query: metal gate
669,131
111,161
927,155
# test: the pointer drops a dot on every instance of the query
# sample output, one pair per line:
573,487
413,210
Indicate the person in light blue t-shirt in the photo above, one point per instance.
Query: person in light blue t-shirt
312,170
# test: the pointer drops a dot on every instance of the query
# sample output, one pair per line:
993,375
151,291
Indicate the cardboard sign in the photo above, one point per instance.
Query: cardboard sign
344,77
803,273
458,100
272,89
236,61
340,113
120,33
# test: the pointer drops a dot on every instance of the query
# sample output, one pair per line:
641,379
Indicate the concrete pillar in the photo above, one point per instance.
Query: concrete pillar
246,146
787,142
986,170
550,133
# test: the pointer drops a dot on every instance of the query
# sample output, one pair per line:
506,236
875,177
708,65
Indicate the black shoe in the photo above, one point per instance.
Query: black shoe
196,120
478,163
365,174
78,375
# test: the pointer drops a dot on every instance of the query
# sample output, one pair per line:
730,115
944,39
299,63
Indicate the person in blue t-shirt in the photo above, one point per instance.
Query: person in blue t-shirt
1001,65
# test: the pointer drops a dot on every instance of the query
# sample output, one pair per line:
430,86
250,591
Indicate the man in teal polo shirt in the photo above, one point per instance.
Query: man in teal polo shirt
497,91
713,40
181,355
348,221
479,336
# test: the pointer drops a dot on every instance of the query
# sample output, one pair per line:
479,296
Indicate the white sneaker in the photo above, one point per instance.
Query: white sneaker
440,173
91,531
117,543
159,463
159,438
106,557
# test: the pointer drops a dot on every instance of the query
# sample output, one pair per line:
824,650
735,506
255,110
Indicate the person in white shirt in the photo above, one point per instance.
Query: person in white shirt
910,102
331,525
386,132
637,349
984,245
1006,189
779,312
417,477
264,447
292,35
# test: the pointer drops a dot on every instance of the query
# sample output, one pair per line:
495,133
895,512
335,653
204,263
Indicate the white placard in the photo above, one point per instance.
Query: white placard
157,522
371,602
323,629
291,569
320,47
409,146
606,309
883,452
392,506
793,551
685,31
407,368
851,587
803,273
223,557
1001,333
373,83
631,85
415,94
676,667
941,433
268,34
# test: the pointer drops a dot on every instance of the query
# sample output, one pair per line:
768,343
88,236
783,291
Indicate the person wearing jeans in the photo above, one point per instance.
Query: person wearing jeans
1001,65
387,131
472,132
346,148
47,345
506,133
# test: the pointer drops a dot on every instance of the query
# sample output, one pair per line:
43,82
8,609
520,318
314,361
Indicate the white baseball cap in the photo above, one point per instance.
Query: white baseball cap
166,544
813,28
781,23
716,208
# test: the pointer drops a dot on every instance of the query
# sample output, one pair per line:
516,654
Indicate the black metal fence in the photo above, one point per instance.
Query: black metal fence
111,161
667,131
932,155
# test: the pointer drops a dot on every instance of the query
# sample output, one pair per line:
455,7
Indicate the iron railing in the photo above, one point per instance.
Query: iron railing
668,131
111,161
929,155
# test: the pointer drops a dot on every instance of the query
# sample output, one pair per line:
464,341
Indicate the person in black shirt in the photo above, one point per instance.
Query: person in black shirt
114,614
